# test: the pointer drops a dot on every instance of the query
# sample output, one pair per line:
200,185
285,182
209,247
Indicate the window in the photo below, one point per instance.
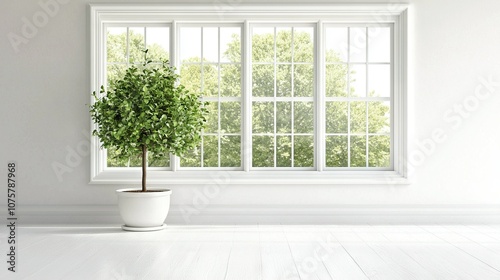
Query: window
317,97
282,63
124,47
358,96
210,62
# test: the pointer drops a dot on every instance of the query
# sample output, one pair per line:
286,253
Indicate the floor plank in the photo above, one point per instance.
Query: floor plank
468,245
260,252
387,250
213,257
338,261
442,259
245,261
372,264
428,255
277,260
305,246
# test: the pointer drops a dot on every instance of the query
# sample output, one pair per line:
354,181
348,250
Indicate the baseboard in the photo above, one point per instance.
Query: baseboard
265,214
339,214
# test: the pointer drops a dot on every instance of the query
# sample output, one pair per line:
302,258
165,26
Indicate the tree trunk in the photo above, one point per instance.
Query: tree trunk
144,163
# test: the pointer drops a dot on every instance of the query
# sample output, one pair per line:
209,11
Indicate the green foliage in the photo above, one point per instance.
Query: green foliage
147,108
116,49
341,115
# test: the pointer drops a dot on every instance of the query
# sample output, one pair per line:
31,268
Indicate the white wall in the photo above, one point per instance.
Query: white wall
453,44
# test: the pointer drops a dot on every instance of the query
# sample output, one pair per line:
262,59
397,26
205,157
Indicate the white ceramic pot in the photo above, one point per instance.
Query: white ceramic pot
144,211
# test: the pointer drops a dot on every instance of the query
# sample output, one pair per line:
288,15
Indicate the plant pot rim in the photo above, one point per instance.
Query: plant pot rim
158,192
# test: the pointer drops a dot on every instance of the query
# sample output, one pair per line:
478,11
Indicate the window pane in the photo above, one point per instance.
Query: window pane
136,44
379,151
202,70
303,117
336,44
336,151
379,80
292,77
135,161
357,77
210,44
116,44
263,44
284,44
379,44
114,162
263,151
210,80
336,80
230,44
284,80
230,117
284,117
284,151
303,80
379,117
303,151
191,77
230,154
164,161
210,151
358,151
336,117
263,117
230,83
212,124
303,45
263,80
357,44
115,72
190,50
191,158
158,43
358,117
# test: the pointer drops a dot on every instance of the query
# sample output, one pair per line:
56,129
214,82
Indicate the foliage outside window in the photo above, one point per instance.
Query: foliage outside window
357,93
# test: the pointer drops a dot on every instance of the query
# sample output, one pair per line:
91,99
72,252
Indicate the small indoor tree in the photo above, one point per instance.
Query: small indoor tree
148,111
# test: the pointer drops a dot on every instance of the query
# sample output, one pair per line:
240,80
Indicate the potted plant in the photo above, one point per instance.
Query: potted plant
147,111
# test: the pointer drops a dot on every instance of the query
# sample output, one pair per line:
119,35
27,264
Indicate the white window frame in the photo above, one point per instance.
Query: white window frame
312,99
175,161
321,14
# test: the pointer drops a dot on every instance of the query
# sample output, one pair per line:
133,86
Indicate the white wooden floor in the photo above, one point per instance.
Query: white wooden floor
258,252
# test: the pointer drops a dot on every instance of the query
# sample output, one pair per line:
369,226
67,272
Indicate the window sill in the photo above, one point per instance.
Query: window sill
252,178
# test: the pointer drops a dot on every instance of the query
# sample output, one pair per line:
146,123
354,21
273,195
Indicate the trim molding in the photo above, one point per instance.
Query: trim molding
34,215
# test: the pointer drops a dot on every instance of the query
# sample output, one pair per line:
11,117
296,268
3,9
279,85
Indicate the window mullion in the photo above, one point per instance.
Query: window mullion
247,97
320,121
174,61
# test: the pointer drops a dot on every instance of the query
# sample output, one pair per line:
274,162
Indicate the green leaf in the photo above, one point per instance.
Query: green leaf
146,106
